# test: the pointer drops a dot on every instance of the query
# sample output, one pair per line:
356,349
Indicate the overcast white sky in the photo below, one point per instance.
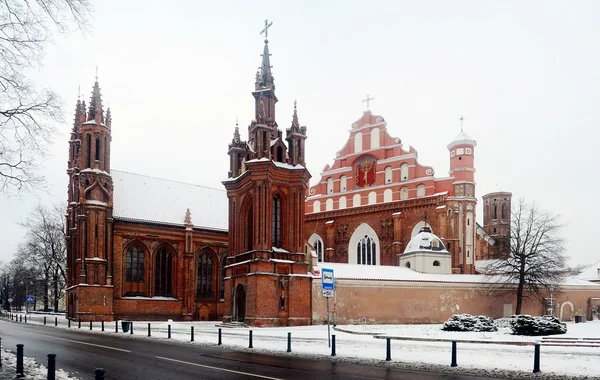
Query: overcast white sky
525,74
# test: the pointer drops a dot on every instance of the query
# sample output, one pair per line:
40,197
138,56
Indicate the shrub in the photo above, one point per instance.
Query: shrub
545,325
467,322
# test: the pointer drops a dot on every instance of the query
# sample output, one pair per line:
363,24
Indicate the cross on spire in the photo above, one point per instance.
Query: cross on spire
462,118
266,29
368,100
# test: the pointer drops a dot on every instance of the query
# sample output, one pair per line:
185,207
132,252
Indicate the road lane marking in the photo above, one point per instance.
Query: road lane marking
89,344
220,369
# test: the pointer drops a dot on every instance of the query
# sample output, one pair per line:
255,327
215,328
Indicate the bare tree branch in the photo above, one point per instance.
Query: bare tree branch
535,262
28,115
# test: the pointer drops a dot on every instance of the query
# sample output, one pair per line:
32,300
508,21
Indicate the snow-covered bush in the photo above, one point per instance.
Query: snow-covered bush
468,322
528,325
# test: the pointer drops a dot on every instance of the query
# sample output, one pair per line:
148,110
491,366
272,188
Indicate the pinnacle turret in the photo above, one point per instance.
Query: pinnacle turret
95,111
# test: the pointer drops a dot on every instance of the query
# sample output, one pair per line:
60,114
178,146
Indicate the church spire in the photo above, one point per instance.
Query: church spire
95,112
295,123
265,78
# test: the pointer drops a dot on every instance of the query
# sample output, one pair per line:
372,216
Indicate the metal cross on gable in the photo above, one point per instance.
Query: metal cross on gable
462,118
368,100
266,29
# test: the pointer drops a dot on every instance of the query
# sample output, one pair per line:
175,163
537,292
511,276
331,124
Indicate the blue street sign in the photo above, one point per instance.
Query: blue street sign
327,278
30,299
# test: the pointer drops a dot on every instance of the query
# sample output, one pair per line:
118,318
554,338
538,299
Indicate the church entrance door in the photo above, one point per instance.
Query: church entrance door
240,303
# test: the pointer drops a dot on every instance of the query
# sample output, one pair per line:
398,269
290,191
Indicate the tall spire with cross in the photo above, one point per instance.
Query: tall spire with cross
462,118
265,68
367,100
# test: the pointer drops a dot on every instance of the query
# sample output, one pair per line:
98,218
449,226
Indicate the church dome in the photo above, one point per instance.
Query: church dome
425,240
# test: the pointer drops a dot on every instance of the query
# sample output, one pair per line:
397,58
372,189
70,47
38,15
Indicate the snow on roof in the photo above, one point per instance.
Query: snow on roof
591,274
287,166
148,199
462,136
396,273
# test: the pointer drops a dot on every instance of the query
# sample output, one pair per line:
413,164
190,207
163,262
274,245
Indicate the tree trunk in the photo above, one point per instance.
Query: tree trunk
46,290
55,279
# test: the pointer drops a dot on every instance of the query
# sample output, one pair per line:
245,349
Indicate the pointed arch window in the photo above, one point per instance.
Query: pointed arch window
318,244
163,270
276,222
204,275
97,149
366,251
89,151
134,264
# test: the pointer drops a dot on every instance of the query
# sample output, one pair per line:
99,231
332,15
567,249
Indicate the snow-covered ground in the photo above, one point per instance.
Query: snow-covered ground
357,343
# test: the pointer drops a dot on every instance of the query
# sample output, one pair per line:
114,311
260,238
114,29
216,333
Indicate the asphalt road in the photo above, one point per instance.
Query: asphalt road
127,358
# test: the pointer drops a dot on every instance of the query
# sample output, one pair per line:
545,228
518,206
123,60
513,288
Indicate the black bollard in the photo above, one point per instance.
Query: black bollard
149,329
55,321
102,324
90,325
388,350
453,364
536,359
79,326
131,327
333,345
99,373
20,318
51,366
69,322
220,342
20,361
116,328
25,318
0,352
192,334
44,320
169,332
250,340
289,347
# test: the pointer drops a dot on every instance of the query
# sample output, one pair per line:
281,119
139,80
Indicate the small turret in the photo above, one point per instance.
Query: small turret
295,136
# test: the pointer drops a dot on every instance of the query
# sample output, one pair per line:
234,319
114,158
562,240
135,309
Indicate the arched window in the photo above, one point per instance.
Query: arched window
163,269
343,184
495,211
436,263
249,233
97,149
503,207
408,264
223,263
276,222
356,200
279,154
316,206
420,191
89,150
404,193
387,195
329,204
317,243
204,275
342,203
366,251
403,172
357,142
374,138
330,186
388,174
372,198
134,270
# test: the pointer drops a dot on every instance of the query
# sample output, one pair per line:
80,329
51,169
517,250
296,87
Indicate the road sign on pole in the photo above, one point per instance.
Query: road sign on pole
327,279
30,299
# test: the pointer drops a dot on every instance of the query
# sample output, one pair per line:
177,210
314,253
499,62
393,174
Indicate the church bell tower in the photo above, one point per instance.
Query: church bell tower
89,213
267,280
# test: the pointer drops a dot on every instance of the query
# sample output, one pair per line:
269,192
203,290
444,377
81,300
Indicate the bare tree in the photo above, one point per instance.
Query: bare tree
28,114
535,263
45,248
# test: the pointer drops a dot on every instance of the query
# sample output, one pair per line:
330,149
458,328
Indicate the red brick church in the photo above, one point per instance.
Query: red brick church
246,253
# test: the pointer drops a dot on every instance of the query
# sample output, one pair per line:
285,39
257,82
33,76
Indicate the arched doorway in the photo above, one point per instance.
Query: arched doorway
240,304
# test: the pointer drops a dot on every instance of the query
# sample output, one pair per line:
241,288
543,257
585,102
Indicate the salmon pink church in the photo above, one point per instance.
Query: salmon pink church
405,245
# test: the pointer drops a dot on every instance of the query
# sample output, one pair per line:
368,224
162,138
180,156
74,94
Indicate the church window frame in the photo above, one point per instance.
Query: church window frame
404,193
317,206
329,204
364,247
317,243
247,213
388,174
404,172
330,186
163,271
343,183
204,273
375,132
97,149
356,200
89,150
276,222
342,203
135,269
358,142
436,263
421,191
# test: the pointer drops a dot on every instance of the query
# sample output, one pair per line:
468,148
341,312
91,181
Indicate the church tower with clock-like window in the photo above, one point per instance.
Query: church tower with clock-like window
267,281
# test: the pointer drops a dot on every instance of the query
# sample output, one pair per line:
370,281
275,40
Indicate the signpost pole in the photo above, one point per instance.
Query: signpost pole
328,328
